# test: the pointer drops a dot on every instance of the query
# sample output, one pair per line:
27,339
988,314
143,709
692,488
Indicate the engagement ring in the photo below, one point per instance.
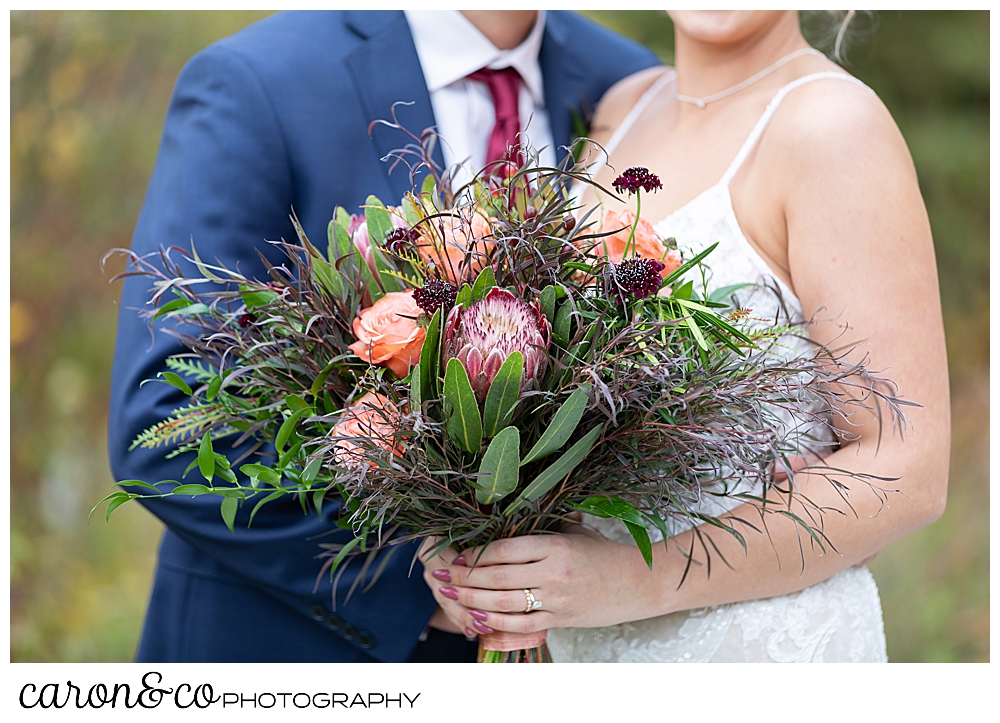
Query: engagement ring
531,602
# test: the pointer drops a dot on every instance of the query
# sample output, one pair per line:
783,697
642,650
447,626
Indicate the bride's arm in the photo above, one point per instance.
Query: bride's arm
859,246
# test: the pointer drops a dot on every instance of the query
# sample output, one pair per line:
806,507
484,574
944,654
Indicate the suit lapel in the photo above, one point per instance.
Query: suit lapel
564,82
385,69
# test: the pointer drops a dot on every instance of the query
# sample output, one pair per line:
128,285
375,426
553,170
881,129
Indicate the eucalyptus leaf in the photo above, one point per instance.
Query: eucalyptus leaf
465,427
557,471
484,282
464,296
562,325
562,426
503,394
547,300
378,220
499,468
430,362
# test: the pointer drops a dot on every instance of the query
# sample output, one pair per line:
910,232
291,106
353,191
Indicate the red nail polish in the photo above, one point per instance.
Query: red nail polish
442,575
477,614
449,592
481,628
460,560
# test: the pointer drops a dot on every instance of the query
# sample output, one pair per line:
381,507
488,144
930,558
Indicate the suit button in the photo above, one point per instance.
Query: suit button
350,632
334,622
366,641
318,613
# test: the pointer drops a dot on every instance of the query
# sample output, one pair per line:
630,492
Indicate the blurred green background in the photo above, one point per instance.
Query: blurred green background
89,91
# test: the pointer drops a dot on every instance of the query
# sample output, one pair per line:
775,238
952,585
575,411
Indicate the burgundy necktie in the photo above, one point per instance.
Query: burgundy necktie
505,87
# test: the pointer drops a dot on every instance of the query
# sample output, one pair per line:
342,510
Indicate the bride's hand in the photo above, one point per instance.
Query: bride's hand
581,579
450,616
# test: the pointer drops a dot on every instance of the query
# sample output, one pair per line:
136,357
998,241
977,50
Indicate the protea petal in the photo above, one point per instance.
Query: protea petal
483,335
492,364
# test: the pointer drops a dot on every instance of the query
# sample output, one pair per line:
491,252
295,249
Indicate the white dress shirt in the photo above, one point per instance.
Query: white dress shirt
450,47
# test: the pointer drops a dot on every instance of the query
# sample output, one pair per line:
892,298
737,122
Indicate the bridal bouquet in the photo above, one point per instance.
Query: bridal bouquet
474,364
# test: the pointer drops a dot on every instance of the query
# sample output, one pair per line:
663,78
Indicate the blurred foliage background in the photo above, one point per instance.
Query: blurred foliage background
89,91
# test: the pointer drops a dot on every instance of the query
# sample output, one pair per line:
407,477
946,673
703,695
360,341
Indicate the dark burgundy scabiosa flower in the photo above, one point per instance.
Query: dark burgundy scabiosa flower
635,178
435,294
401,239
246,319
636,278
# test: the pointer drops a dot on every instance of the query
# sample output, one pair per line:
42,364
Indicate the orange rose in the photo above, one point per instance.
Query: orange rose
388,334
646,243
368,418
461,234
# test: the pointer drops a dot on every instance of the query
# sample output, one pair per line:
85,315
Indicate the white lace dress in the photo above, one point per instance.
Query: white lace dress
837,620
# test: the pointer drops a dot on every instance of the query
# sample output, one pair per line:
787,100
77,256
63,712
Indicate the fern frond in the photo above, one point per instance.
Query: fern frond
180,426
413,281
190,367
192,444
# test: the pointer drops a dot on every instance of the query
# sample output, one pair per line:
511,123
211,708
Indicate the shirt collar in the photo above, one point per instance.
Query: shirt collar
450,47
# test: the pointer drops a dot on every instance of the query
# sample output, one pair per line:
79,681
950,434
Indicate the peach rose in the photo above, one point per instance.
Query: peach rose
367,417
647,243
460,235
388,333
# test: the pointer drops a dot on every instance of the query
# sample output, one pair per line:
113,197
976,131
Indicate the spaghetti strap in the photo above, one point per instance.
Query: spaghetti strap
758,129
633,115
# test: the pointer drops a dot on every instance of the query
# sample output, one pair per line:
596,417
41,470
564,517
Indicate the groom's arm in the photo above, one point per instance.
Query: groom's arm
223,180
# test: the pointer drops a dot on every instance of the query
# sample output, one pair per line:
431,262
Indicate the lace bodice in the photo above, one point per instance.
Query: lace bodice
839,619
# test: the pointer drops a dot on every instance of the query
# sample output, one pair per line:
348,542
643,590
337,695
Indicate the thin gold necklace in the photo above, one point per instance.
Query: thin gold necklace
702,102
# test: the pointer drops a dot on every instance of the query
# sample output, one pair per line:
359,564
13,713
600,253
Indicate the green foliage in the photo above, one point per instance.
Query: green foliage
499,468
503,394
465,426
562,426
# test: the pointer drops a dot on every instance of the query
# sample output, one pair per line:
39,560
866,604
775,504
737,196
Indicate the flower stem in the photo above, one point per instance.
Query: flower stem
630,244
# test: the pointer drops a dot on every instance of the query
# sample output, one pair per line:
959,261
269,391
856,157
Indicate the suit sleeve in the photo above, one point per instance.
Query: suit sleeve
224,181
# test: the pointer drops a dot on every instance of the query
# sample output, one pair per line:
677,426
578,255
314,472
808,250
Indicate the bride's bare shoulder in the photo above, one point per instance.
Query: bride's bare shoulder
833,120
619,99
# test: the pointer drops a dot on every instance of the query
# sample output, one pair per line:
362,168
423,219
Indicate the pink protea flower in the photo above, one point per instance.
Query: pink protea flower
483,335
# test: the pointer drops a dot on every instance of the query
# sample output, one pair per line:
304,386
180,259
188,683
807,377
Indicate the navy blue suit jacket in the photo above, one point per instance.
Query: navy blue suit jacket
273,118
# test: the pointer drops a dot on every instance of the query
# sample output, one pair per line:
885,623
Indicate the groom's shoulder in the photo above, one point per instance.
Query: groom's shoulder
295,45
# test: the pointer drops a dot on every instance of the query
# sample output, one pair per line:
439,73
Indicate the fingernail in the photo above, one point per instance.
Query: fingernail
460,560
480,627
470,633
477,614
442,575
449,592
